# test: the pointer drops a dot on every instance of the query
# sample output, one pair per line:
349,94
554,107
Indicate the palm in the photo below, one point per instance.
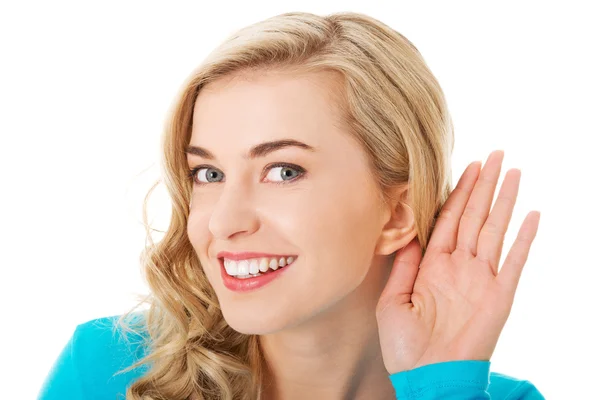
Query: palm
455,305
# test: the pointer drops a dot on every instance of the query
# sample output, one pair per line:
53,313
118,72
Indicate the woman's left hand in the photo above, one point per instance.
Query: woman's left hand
454,306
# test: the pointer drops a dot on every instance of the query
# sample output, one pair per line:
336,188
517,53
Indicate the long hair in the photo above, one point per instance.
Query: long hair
391,104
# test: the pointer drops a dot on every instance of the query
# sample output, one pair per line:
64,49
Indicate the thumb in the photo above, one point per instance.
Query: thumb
404,271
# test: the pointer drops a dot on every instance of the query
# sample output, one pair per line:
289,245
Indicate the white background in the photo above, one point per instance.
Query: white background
84,90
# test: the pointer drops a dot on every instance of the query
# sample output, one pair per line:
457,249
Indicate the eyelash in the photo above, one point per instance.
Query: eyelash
192,173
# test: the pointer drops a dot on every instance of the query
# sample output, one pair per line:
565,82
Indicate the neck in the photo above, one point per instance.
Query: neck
335,355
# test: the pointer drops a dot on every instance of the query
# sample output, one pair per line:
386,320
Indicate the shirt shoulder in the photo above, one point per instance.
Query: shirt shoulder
88,364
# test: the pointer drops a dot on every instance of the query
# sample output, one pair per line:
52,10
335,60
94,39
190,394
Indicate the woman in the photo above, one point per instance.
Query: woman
308,163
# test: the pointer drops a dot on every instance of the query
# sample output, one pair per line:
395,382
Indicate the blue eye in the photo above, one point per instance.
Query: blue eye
213,174
292,171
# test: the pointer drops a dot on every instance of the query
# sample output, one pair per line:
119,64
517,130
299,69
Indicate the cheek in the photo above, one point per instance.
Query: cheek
337,232
198,234
195,228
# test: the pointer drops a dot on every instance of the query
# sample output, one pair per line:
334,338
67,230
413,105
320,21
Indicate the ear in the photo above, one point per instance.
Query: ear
400,227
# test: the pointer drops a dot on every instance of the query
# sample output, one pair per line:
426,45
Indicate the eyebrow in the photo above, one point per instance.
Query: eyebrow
260,150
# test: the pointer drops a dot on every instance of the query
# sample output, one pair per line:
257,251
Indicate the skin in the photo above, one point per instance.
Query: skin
331,327
317,321
454,303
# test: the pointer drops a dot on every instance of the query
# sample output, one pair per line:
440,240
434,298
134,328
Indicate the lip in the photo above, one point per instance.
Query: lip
245,285
249,254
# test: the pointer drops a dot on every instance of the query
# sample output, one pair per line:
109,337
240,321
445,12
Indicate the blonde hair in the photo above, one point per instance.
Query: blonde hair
391,103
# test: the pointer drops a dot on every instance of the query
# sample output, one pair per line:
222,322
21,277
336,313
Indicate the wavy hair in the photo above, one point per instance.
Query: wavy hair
391,103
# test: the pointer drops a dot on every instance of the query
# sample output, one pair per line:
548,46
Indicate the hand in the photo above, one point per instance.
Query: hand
456,304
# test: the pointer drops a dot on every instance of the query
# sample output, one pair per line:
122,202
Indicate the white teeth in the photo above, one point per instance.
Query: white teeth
247,276
254,267
230,267
242,267
273,264
264,265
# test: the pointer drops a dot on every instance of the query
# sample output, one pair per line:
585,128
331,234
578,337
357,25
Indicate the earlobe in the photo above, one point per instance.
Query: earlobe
398,231
395,239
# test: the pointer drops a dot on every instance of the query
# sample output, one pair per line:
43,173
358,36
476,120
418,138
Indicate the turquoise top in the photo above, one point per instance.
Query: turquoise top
85,367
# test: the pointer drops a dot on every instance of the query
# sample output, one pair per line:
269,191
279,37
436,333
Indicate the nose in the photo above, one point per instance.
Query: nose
234,213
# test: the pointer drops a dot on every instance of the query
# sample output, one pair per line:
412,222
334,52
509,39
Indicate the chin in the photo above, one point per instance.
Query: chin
255,322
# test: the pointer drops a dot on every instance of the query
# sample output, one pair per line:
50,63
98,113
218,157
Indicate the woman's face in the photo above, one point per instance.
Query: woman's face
321,208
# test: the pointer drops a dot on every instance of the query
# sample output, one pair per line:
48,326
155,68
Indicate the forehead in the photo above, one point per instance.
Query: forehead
260,106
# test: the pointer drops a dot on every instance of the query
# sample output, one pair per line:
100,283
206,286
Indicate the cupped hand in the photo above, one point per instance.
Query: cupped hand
453,304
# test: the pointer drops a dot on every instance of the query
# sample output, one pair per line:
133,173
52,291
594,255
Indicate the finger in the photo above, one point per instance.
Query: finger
517,256
491,237
478,206
404,272
443,237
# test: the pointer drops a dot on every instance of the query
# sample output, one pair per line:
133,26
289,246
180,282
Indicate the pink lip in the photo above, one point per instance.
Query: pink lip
249,254
244,285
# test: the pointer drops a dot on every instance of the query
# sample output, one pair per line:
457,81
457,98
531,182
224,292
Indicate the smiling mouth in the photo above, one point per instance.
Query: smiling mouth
252,268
